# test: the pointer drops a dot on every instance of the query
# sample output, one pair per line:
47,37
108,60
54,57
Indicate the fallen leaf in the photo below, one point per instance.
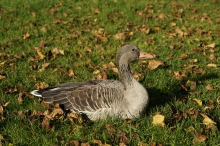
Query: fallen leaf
199,102
218,100
2,77
99,142
198,138
191,84
41,85
2,118
158,119
70,72
96,72
20,98
40,54
47,125
109,128
119,36
211,46
153,64
121,137
211,65
54,113
75,118
208,122
209,87
43,30
45,65
183,56
25,36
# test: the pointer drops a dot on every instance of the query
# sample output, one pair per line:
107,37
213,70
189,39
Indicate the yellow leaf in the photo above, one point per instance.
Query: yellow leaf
211,45
119,36
199,102
158,119
208,122
153,64
211,65
40,54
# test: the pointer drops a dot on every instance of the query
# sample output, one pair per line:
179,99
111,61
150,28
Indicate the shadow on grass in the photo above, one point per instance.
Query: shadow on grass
160,98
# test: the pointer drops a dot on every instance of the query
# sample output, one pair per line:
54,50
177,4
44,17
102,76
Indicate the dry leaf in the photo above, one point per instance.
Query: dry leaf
55,113
41,85
209,87
211,46
211,65
20,98
46,124
198,138
99,142
199,102
75,118
109,128
218,100
43,29
96,72
153,64
208,122
1,114
45,65
25,36
183,56
70,72
2,77
119,36
158,119
40,54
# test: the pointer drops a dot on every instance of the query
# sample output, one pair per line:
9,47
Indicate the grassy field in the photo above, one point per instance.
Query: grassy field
50,42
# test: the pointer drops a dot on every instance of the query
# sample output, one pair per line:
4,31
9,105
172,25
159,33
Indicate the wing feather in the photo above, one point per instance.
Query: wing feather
86,96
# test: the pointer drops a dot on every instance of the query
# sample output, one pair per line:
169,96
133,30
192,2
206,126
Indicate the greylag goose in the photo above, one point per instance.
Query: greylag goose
98,99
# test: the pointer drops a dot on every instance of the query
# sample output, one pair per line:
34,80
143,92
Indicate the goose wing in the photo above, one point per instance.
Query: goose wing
85,96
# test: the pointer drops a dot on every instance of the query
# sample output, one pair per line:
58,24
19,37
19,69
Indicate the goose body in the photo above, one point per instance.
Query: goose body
101,98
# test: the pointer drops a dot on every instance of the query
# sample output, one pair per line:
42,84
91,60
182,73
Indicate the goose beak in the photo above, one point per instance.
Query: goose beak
144,55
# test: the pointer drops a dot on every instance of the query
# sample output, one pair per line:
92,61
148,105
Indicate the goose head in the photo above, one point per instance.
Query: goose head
130,53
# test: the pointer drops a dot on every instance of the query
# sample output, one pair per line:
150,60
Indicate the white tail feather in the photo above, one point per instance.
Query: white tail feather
35,93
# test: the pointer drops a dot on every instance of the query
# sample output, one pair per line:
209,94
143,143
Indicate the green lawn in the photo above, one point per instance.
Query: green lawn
50,42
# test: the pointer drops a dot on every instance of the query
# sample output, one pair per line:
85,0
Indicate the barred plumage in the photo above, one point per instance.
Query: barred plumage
101,98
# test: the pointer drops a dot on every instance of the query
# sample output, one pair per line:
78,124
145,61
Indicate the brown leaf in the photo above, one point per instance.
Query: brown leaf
41,85
57,51
198,138
153,64
25,36
218,100
99,142
2,118
183,56
191,84
85,144
75,118
121,137
211,46
2,77
119,36
45,65
20,98
43,30
46,124
199,102
73,142
70,72
209,87
55,113
42,43
158,119
179,75
109,128
193,112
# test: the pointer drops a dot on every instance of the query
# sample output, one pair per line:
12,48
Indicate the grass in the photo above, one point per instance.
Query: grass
86,31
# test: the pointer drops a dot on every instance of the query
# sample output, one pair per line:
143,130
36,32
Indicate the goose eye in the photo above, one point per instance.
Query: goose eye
132,50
